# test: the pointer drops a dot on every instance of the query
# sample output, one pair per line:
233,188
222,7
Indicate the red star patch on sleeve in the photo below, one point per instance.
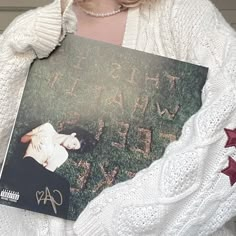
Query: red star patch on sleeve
231,171
231,134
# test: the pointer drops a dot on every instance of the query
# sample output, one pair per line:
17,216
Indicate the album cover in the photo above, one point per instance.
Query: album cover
92,115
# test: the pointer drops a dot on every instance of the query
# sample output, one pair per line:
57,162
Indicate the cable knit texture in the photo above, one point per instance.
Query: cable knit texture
184,193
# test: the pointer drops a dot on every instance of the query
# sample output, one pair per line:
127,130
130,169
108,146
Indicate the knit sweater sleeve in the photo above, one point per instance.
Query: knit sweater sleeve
202,36
36,31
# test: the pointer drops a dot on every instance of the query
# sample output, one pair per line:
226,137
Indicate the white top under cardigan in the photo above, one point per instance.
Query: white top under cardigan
183,193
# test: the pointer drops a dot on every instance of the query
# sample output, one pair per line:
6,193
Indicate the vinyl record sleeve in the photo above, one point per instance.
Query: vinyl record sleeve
123,106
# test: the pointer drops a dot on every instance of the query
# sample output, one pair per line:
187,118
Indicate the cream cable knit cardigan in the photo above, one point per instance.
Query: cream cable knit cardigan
183,193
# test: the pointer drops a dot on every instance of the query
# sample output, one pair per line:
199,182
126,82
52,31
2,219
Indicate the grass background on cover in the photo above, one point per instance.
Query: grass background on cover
98,72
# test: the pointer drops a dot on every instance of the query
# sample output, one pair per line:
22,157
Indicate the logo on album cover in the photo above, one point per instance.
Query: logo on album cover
9,195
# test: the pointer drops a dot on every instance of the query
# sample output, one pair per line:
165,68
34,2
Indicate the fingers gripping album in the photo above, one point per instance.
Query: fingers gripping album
93,115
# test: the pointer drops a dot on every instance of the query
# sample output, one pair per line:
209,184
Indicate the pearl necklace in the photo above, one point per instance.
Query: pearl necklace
106,14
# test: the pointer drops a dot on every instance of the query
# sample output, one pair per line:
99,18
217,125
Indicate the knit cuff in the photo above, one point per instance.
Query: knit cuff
51,26
89,225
